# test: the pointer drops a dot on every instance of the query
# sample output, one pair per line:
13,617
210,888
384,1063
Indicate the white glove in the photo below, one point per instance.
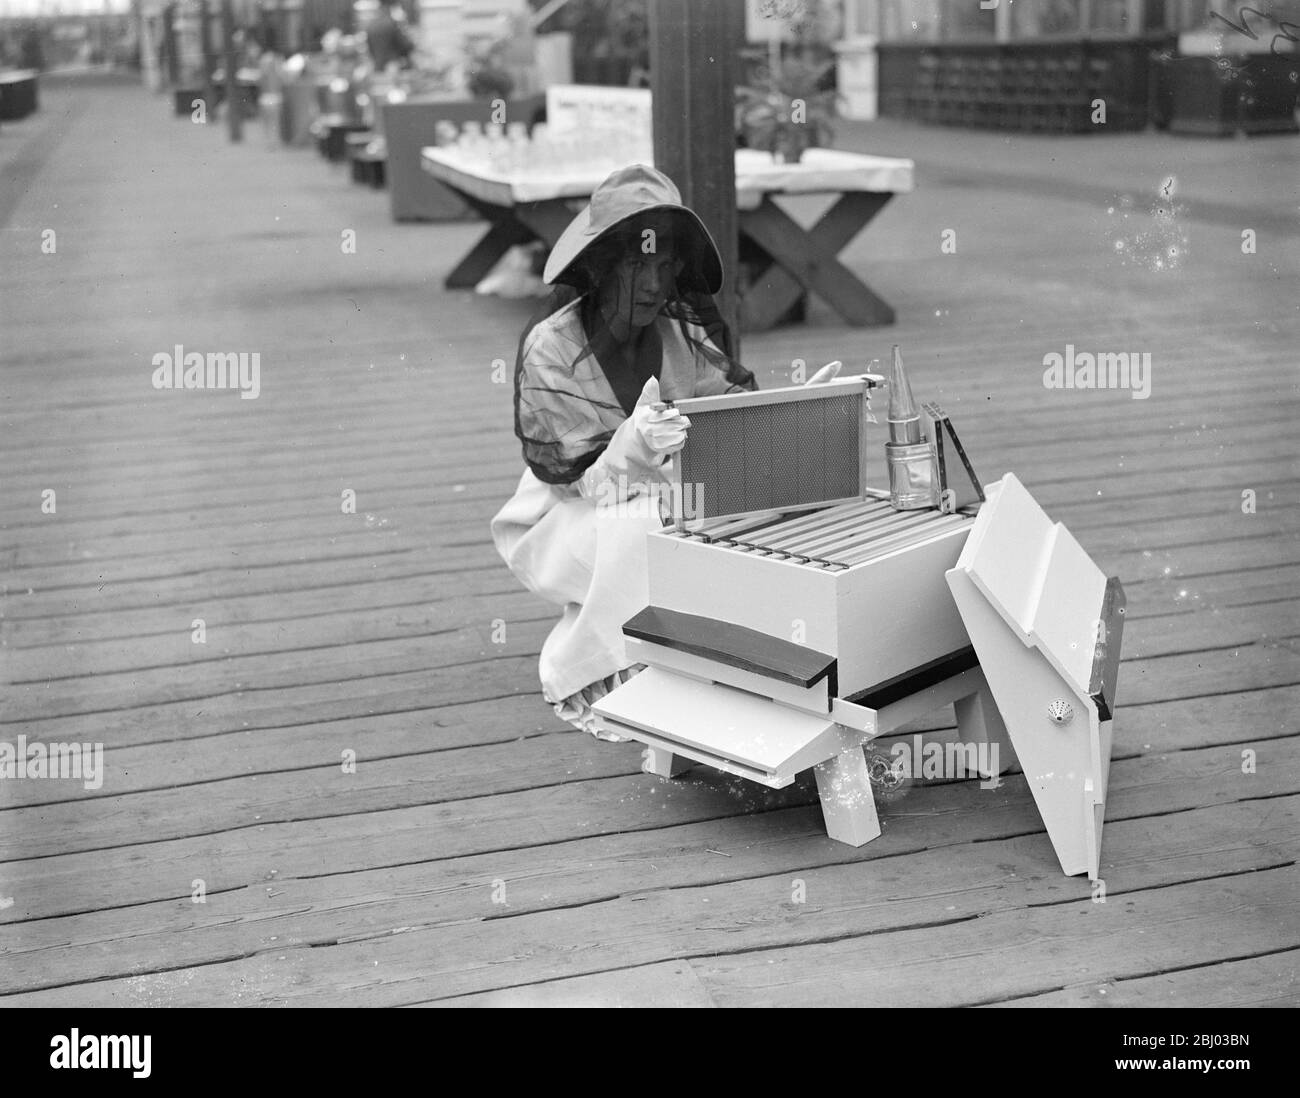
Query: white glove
662,429
827,373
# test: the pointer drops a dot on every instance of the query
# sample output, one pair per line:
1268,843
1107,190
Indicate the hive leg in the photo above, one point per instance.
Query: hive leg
655,760
979,722
848,802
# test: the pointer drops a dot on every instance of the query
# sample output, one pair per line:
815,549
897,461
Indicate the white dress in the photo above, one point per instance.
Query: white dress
581,545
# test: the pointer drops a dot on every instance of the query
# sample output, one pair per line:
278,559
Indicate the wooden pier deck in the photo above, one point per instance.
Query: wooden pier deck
480,852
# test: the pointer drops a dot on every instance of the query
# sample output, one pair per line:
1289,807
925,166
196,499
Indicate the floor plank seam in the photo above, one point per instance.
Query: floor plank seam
244,623
332,680
1113,980
219,570
320,766
336,720
210,660
215,597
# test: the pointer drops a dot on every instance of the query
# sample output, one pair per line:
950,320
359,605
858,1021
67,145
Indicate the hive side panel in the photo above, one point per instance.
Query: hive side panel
897,613
790,601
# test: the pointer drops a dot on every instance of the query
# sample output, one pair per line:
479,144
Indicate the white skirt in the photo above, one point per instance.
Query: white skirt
590,560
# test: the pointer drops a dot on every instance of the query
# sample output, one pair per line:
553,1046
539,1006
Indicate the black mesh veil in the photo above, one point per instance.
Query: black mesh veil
563,415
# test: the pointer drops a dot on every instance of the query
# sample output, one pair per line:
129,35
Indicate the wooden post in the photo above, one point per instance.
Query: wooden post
693,69
205,43
1135,18
169,44
148,48
234,108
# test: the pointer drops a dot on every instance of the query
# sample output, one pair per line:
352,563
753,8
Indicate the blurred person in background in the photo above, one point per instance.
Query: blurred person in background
32,51
387,40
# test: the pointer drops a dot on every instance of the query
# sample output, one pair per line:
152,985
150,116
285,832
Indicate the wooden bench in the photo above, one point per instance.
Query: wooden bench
331,132
367,155
18,94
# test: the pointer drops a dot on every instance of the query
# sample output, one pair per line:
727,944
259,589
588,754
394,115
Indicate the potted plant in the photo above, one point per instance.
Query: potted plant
487,73
786,110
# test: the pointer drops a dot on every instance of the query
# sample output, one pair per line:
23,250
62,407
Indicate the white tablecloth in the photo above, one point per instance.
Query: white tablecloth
820,171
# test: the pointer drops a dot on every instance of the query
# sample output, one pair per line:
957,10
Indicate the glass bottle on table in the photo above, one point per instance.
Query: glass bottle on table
496,151
517,146
470,143
540,157
446,133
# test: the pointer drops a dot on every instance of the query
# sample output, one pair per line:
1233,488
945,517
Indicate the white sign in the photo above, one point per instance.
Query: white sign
587,107
774,20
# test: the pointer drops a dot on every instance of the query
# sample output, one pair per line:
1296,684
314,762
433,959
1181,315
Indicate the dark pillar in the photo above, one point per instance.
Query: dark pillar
234,104
693,70
205,41
169,45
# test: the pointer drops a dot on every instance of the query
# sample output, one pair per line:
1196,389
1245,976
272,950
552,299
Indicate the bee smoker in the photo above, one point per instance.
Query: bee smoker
908,454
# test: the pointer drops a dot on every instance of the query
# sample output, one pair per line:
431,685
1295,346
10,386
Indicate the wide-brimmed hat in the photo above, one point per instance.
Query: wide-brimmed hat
625,194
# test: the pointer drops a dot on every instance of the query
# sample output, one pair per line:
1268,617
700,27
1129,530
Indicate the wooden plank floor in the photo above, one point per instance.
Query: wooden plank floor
482,853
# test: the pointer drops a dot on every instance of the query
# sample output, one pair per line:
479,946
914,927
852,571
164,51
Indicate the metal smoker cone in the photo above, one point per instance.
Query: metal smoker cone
904,417
909,458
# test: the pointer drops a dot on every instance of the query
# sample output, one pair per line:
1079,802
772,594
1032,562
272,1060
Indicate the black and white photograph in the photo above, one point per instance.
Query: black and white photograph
650,504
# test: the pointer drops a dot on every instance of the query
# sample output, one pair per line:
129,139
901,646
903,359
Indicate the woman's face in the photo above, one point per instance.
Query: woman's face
640,282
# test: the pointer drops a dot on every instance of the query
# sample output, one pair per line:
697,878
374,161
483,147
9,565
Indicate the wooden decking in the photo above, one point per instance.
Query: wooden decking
481,852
